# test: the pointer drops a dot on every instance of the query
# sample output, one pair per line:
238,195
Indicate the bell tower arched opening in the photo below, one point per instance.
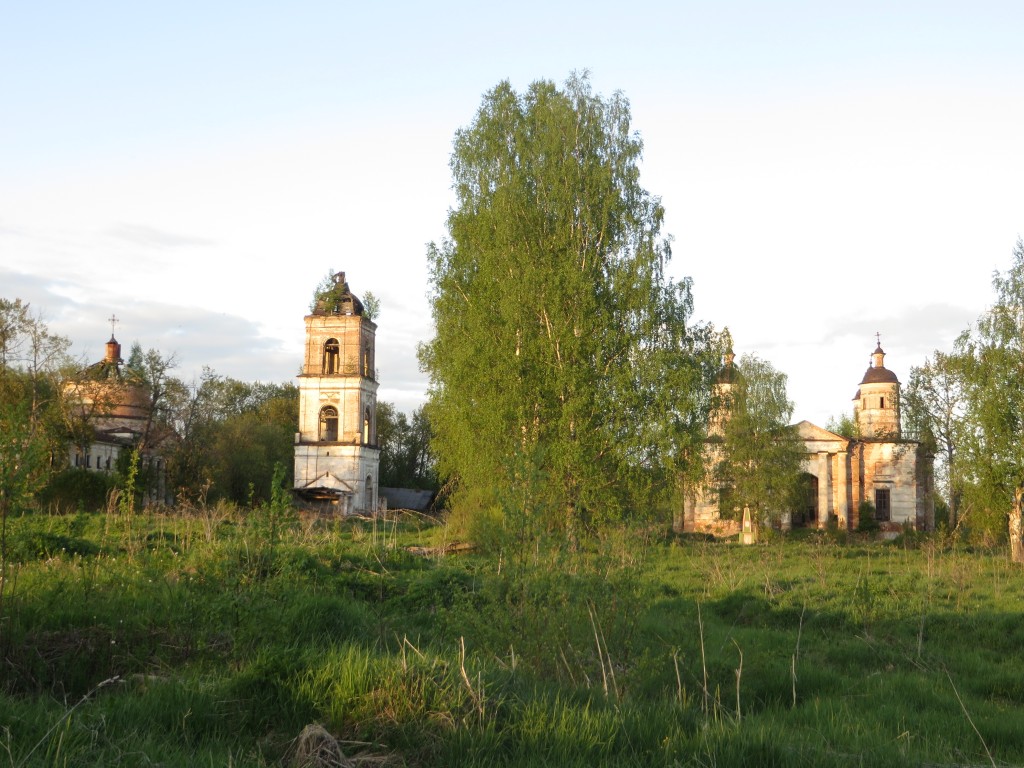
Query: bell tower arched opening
332,357
329,424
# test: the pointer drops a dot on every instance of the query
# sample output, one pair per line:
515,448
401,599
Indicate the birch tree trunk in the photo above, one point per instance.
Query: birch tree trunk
1017,526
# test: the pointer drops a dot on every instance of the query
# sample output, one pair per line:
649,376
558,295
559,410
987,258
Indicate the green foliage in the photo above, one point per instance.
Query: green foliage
557,329
867,521
76,488
478,517
934,405
43,545
231,434
406,460
326,292
274,520
31,429
844,425
371,306
757,459
128,484
991,361
22,456
332,295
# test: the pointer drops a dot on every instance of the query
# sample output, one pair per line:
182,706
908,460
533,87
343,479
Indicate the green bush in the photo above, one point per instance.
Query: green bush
867,522
76,489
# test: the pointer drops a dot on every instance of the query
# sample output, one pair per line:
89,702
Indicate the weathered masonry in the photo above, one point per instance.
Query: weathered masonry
336,454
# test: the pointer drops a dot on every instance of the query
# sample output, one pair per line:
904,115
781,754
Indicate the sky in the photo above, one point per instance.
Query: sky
828,170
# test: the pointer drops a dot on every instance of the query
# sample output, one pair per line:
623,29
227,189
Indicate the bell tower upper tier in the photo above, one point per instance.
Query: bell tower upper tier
876,406
340,339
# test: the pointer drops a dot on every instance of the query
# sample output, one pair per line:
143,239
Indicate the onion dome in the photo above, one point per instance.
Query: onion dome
877,373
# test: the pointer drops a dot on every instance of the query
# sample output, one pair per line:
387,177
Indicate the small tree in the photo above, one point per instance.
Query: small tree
22,462
934,406
844,425
31,432
371,306
151,370
993,360
759,458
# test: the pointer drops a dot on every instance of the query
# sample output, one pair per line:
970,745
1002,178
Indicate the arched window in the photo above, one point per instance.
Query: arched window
366,361
366,427
329,424
332,357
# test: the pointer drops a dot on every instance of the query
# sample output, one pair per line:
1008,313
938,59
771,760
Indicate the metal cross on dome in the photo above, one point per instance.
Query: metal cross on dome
113,322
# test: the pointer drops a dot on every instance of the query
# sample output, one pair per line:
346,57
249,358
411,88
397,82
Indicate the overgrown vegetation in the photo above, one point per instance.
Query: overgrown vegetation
753,456
215,636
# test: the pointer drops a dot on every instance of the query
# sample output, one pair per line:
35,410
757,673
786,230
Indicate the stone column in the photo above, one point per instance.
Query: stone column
824,487
748,533
843,488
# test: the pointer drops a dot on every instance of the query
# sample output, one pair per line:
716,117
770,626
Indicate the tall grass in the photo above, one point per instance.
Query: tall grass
214,637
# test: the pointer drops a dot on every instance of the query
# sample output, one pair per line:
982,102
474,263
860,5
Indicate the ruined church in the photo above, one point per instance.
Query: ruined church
838,474
110,415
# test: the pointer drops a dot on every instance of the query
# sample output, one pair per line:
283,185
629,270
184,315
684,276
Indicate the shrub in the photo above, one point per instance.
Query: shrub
478,518
76,488
867,522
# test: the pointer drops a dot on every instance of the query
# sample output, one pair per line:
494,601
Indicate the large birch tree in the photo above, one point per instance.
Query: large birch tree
564,371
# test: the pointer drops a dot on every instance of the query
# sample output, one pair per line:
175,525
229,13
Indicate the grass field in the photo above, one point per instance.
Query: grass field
214,638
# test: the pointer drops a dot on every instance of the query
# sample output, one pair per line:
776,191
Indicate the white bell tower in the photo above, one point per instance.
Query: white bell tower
336,453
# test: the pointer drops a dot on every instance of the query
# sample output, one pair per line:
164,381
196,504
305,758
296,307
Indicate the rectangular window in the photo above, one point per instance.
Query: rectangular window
882,507
881,402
